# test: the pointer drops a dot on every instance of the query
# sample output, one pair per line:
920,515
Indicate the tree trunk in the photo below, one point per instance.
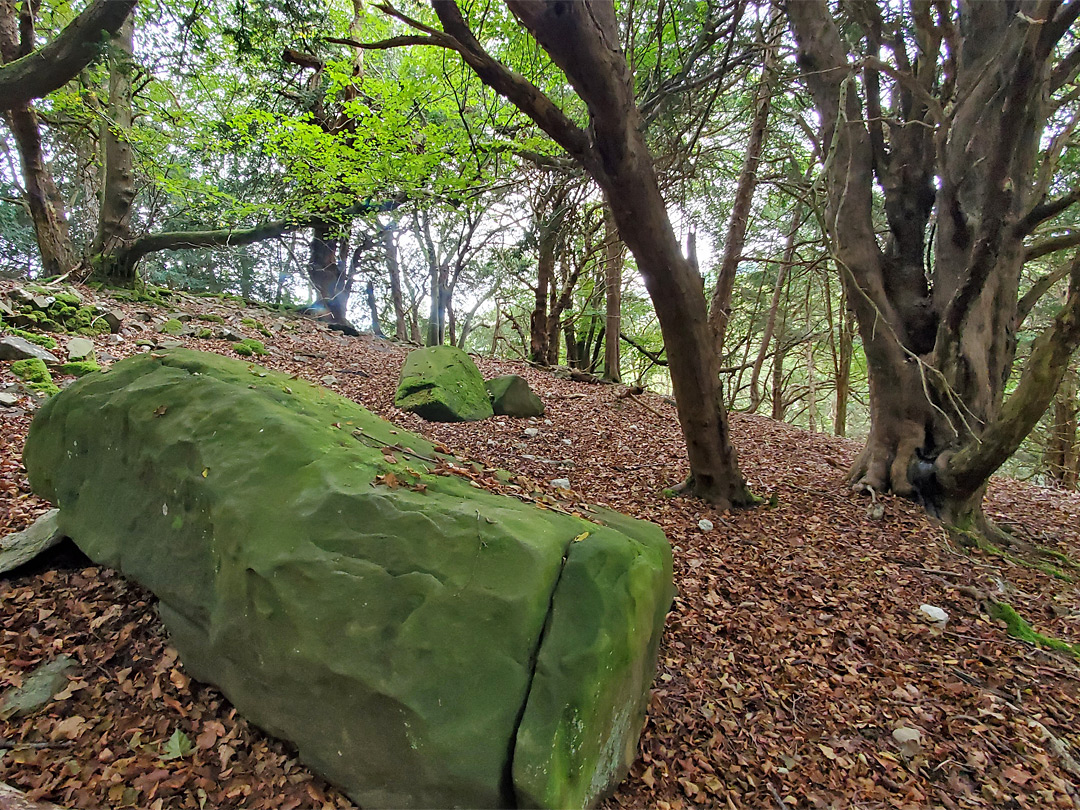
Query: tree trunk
326,274
582,39
46,205
539,332
844,354
939,336
394,270
613,267
373,309
1062,450
118,188
774,311
720,308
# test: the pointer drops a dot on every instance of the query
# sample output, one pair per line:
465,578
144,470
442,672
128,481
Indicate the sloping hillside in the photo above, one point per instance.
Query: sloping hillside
794,650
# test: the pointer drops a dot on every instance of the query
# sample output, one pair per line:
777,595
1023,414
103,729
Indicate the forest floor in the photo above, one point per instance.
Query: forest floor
794,650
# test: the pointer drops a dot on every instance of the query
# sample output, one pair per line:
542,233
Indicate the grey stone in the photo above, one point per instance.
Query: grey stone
38,688
13,347
114,318
80,348
19,548
532,433
169,344
561,483
183,317
43,301
7,399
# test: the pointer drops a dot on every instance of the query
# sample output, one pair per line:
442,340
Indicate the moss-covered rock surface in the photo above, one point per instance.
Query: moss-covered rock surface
422,642
443,384
511,396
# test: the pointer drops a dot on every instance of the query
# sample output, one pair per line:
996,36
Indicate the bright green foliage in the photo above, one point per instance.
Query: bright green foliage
80,368
204,333
442,384
1017,627
407,631
36,374
249,347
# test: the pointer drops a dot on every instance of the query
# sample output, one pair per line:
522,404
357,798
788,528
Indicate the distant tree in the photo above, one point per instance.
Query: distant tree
583,40
953,110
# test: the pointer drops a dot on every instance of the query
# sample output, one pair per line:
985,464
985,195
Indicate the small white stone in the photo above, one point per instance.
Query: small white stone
567,442
548,422
532,433
934,614
909,739
705,525
561,483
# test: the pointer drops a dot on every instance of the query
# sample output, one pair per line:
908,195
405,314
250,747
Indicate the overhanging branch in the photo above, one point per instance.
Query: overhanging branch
51,67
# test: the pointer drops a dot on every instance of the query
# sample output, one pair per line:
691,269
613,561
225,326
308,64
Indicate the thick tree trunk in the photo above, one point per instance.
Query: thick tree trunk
118,189
613,267
327,276
46,205
939,355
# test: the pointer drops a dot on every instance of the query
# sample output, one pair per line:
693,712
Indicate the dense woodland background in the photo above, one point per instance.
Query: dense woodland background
254,148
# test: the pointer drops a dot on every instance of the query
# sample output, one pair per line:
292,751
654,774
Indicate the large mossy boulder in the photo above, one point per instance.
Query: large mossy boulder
442,384
511,396
423,643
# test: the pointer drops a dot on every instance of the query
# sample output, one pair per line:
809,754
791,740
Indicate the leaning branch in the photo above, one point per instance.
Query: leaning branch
656,357
1052,245
966,471
54,65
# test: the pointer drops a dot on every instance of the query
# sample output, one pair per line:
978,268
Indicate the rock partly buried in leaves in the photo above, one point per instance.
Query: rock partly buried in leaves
442,384
423,643
511,396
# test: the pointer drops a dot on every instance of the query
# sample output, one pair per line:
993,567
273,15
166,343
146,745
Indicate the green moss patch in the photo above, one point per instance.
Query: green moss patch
1017,627
251,323
422,642
442,384
212,318
80,368
36,374
44,341
171,327
249,347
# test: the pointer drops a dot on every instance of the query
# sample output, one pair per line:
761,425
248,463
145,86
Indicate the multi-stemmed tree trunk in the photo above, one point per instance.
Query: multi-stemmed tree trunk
583,39
958,146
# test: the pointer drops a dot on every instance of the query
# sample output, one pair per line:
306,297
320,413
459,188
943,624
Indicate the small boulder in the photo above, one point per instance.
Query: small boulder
19,548
37,689
511,396
8,399
114,318
442,384
13,347
935,614
80,349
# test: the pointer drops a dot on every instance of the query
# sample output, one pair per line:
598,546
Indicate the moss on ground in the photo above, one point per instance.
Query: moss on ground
171,327
1017,627
212,318
79,368
257,326
44,341
36,375
249,347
